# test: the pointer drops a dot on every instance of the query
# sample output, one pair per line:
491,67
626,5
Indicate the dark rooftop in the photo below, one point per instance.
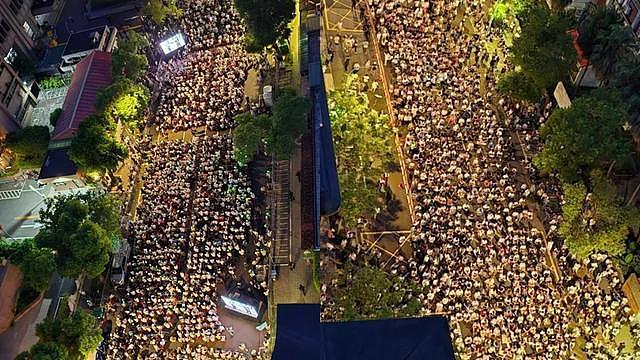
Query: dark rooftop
39,4
83,41
57,163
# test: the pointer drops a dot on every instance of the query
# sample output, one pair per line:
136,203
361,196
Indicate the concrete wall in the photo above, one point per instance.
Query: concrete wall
10,283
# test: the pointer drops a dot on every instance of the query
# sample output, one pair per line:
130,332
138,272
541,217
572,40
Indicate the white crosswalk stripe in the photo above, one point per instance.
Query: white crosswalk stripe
10,194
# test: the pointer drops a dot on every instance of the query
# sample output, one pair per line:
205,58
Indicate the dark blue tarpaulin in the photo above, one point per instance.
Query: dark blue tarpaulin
326,173
300,335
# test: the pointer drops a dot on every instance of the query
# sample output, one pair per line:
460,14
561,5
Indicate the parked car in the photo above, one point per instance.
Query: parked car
119,264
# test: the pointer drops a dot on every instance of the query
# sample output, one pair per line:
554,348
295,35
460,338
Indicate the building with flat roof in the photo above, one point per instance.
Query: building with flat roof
81,44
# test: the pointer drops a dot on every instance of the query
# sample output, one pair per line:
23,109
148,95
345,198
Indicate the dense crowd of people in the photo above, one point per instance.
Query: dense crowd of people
199,229
206,89
484,217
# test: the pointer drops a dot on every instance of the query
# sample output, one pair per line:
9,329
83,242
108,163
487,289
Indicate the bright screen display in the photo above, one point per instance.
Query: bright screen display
240,307
172,44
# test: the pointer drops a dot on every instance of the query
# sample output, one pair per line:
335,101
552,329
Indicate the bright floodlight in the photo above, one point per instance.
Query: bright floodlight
172,44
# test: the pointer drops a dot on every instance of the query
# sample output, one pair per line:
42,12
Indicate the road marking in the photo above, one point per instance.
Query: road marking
32,226
35,190
10,194
30,217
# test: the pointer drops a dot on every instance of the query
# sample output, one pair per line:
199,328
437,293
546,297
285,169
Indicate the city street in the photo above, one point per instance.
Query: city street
21,199
20,204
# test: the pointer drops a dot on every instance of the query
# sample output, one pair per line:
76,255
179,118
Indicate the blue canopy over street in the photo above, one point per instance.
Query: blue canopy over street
300,335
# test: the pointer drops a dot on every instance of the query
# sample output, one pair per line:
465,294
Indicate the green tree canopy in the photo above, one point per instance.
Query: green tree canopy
612,45
516,85
134,42
29,146
596,220
584,136
159,10
248,135
544,50
364,148
130,65
37,268
124,101
94,148
288,122
129,59
104,209
267,21
369,293
626,80
279,130
80,229
503,10
595,23
37,264
45,351
79,333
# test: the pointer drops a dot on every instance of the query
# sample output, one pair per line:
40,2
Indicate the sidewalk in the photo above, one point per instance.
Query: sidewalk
22,335
296,215
286,288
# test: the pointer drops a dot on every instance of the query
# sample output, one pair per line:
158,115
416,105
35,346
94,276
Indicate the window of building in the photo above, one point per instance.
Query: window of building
4,30
15,6
11,55
27,29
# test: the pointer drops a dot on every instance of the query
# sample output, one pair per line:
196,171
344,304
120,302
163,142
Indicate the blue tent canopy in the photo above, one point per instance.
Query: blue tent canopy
327,185
300,335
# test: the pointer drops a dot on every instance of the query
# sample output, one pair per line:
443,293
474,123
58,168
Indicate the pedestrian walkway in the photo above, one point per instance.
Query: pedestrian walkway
22,334
341,16
10,194
288,287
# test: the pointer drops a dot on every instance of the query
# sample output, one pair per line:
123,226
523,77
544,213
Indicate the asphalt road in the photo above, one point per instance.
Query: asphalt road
19,215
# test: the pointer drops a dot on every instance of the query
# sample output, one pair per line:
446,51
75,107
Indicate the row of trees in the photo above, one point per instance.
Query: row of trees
276,131
122,102
79,234
364,149
589,136
583,141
